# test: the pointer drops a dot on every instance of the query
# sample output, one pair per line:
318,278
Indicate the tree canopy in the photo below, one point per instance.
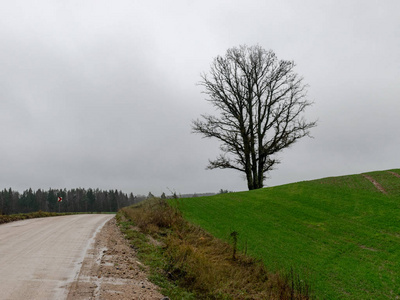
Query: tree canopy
261,102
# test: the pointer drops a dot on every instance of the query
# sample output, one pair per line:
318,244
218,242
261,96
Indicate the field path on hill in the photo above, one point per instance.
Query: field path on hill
375,183
40,258
395,174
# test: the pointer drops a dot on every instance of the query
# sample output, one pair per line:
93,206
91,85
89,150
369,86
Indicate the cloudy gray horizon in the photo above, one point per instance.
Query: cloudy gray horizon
101,94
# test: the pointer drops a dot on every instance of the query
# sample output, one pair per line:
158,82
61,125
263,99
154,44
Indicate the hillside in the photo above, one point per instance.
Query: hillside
342,234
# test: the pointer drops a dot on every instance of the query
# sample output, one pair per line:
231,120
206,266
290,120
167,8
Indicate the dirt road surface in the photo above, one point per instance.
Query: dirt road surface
41,258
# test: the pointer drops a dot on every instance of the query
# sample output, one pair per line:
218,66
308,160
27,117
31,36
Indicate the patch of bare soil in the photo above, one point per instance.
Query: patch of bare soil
111,270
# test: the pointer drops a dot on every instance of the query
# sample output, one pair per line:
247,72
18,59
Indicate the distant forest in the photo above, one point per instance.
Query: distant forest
75,200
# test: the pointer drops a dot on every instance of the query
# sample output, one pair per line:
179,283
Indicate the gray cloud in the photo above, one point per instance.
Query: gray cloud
102,94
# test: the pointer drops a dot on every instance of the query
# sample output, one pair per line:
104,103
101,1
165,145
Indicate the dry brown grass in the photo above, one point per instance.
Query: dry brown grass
207,266
38,214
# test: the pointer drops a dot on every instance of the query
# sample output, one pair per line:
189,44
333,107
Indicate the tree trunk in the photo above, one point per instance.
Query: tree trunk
250,183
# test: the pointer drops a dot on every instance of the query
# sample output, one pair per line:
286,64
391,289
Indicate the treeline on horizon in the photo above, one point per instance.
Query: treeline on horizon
74,200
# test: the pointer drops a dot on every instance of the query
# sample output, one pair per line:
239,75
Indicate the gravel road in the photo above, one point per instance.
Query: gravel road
40,258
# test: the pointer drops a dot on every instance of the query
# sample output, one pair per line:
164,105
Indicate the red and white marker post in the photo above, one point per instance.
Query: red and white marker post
59,200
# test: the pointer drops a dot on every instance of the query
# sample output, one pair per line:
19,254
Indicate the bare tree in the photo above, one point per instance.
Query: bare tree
261,103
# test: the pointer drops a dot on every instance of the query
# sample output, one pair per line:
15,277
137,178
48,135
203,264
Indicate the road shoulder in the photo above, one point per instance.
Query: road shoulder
110,270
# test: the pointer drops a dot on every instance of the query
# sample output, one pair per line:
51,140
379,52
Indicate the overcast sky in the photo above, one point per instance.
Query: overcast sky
101,94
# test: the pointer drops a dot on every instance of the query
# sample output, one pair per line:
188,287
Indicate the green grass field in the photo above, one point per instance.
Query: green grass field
341,234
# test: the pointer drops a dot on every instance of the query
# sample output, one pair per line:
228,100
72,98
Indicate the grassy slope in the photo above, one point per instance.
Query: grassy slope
341,232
